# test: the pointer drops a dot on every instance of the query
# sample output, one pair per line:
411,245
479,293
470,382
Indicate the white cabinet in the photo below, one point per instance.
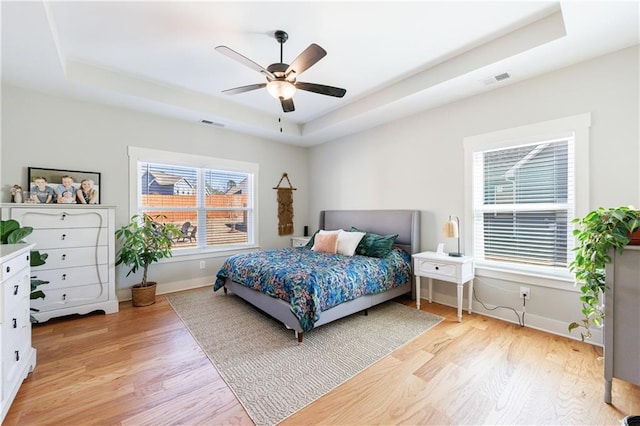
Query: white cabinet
456,270
622,319
299,241
18,356
79,241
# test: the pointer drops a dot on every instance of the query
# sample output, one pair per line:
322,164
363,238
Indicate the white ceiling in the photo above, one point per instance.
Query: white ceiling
394,58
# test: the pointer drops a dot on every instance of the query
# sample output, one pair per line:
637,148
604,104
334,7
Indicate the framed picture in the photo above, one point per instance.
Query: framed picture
63,186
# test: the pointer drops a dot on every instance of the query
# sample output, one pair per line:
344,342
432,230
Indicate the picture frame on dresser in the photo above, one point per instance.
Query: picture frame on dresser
54,178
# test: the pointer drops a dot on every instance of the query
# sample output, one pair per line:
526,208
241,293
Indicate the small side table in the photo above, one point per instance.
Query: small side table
457,270
299,241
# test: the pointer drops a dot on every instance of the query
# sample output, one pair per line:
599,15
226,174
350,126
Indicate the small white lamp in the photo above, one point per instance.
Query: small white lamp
451,229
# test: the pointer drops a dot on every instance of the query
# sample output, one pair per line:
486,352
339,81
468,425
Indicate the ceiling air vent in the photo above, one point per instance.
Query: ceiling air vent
495,78
213,123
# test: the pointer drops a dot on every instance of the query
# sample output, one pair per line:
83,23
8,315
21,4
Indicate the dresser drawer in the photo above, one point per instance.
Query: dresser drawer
14,356
62,238
11,268
60,218
68,297
16,322
15,289
72,257
434,269
71,277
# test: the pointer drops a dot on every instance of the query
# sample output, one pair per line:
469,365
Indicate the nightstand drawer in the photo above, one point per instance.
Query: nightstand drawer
435,269
299,241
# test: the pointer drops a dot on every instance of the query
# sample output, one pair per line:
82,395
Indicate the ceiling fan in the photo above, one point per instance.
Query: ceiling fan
281,78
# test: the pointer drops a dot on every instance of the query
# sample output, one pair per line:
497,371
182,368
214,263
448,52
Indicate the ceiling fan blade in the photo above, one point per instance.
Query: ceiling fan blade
306,59
243,89
287,105
244,60
321,89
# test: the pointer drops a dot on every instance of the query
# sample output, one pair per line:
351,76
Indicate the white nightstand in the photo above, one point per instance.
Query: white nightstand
299,241
458,270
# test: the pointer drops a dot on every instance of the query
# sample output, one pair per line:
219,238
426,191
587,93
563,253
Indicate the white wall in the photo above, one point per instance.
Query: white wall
414,163
417,163
51,132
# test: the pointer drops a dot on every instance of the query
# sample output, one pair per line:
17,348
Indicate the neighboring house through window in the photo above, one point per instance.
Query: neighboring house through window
522,195
211,200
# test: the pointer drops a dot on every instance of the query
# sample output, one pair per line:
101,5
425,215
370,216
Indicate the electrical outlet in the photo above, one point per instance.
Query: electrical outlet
525,293
202,264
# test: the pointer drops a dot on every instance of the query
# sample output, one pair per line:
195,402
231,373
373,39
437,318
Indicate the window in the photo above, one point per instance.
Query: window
523,202
523,196
211,200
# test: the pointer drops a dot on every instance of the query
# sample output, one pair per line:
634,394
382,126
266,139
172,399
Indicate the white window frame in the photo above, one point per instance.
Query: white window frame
578,126
138,154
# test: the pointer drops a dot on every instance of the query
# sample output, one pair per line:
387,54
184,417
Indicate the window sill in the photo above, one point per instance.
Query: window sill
563,281
184,255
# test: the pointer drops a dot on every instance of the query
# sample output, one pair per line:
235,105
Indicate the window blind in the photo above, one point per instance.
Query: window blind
523,202
213,208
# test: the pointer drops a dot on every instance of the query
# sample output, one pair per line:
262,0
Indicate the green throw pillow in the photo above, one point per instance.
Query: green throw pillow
312,240
375,245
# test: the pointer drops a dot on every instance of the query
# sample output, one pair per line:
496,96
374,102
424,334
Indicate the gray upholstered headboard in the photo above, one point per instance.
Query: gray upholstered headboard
405,223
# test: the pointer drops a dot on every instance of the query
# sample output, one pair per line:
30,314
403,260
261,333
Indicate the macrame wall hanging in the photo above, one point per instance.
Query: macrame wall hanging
285,206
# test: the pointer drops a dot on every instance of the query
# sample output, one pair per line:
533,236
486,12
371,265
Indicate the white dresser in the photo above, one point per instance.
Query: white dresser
18,356
80,267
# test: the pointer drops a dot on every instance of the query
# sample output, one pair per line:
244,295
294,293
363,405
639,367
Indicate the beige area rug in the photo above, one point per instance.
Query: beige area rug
261,361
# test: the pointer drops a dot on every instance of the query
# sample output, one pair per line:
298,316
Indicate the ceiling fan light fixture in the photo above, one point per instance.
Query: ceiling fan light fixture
281,89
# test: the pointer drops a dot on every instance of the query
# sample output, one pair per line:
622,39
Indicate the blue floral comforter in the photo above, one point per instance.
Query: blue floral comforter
313,282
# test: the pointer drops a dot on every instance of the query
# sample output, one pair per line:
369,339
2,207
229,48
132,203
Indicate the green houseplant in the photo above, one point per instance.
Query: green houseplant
145,240
597,233
12,233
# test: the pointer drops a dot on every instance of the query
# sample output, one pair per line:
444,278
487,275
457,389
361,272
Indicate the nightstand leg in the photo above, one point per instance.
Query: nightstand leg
430,290
459,294
470,295
418,292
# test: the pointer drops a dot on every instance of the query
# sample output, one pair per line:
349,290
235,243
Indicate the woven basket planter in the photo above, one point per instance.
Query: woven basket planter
143,296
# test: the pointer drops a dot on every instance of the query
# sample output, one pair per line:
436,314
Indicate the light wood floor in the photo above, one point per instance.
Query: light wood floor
142,367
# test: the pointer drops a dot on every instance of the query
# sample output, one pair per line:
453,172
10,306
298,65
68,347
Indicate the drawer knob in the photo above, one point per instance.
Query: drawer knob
64,256
8,269
437,268
64,297
17,355
15,290
64,215
64,277
15,323
64,236
27,258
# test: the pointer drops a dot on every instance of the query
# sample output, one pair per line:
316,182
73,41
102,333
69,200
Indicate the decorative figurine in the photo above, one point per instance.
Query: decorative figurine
16,194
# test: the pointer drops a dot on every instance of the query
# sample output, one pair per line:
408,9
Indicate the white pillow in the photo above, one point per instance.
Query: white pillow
348,241
336,231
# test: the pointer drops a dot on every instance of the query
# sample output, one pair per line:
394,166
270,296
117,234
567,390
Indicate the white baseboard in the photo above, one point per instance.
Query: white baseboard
163,288
548,325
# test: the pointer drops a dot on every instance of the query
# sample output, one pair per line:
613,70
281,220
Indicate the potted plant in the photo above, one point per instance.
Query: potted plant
597,233
145,240
12,233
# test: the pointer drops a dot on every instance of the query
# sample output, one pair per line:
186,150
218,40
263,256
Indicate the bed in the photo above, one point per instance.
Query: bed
248,268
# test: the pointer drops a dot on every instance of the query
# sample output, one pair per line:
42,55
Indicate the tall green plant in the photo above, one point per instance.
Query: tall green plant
597,233
145,240
12,233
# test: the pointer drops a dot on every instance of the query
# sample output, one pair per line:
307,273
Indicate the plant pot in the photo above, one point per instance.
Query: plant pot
635,238
143,296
